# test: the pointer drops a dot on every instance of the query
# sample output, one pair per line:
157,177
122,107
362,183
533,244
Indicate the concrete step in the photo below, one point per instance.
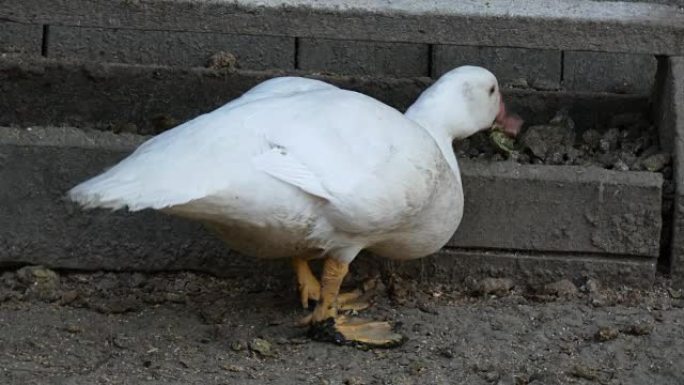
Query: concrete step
538,222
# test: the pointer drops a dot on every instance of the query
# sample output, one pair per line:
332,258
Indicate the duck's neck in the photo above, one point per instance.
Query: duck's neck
444,123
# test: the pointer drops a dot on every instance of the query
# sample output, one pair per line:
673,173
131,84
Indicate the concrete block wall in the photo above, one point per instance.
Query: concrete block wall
37,225
181,49
540,69
18,38
557,47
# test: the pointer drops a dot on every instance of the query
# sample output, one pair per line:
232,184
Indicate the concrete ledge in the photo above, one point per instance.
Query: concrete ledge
618,73
184,49
147,99
576,25
453,265
352,57
567,209
560,213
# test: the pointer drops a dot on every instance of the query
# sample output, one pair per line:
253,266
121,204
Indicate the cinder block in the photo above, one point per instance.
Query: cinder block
352,57
670,119
608,72
19,38
556,209
536,67
184,49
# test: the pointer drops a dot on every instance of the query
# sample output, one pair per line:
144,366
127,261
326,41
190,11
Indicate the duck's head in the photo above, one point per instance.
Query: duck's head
462,102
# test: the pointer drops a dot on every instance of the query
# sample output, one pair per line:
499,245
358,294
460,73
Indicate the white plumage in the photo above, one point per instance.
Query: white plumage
300,167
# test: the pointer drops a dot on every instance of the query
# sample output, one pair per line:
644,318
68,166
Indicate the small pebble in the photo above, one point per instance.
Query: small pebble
584,372
262,347
354,381
222,61
68,297
607,333
232,368
562,288
495,286
640,329
592,286
620,165
657,162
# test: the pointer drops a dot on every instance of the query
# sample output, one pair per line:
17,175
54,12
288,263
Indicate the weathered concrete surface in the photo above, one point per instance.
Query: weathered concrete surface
352,57
608,72
456,265
576,25
19,38
670,116
516,66
185,49
37,225
147,99
560,209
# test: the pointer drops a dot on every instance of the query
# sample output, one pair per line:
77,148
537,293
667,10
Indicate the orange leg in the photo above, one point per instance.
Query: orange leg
327,325
310,288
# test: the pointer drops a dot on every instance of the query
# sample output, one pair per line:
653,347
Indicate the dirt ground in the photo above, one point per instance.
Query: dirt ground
187,328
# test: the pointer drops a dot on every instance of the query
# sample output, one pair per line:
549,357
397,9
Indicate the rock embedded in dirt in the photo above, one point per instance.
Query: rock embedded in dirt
40,282
550,142
68,297
606,333
591,286
232,368
214,313
493,286
545,140
354,381
657,162
609,141
584,372
562,288
223,60
262,347
591,138
639,329
417,366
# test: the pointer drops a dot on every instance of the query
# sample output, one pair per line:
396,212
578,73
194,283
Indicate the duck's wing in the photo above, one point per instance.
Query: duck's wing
371,167
191,161
374,166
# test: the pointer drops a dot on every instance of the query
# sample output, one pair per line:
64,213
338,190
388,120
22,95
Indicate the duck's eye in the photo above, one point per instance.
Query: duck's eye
491,90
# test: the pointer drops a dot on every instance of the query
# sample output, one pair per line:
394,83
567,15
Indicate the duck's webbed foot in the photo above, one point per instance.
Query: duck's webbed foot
326,325
356,331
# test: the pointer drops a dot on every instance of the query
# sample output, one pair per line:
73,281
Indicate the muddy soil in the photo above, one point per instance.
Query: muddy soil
629,142
186,328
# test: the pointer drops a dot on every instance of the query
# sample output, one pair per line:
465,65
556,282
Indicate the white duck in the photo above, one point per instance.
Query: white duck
298,168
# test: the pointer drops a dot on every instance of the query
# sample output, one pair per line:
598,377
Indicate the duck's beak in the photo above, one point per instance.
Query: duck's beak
510,124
